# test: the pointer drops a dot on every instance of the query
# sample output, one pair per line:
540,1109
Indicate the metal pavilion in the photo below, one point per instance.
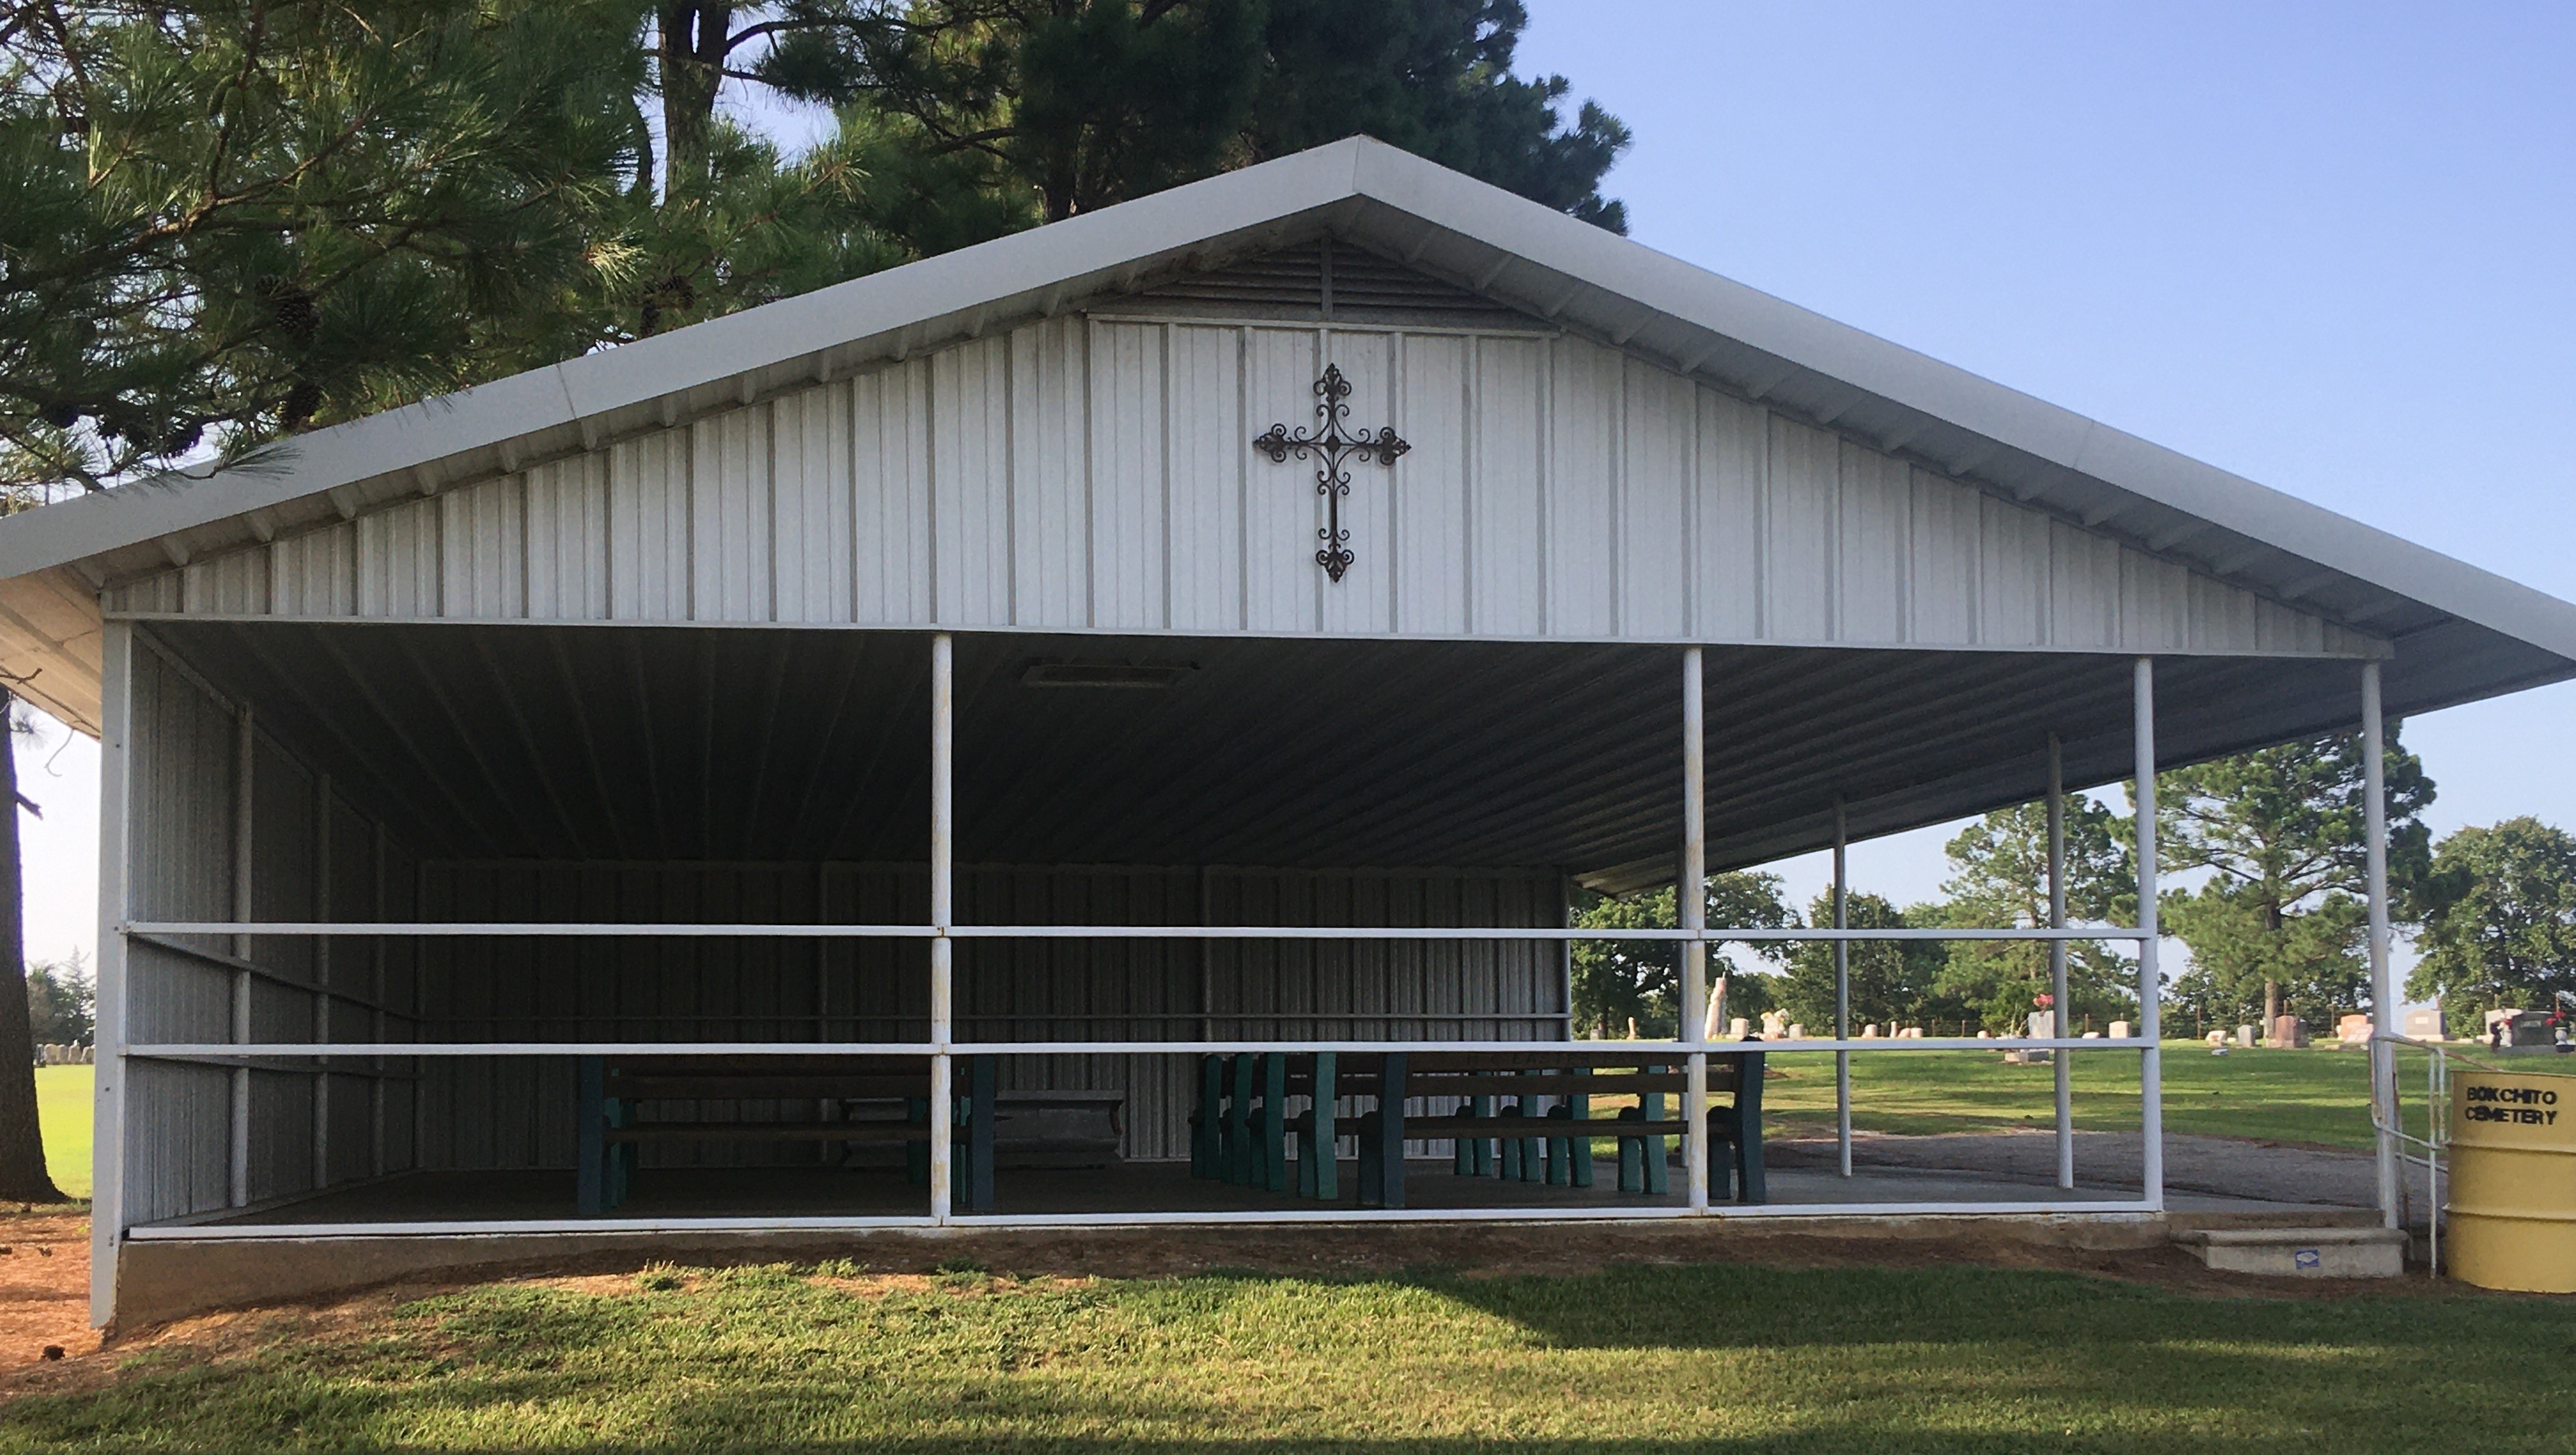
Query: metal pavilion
1002,656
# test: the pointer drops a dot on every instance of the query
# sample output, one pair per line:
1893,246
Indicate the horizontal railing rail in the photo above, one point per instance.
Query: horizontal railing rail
1645,1050
546,929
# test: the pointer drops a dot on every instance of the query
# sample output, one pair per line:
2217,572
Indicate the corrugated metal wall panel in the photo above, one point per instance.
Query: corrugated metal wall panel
178,1128
970,455
1208,465
1733,464
1427,548
890,509
1658,488
811,437
1586,390
1281,513
1507,515
1095,472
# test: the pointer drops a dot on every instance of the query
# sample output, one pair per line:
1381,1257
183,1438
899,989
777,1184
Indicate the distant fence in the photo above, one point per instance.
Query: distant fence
66,1055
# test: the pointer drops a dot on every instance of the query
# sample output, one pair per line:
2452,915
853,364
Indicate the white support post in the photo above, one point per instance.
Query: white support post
943,914
321,1088
245,758
2061,1018
107,1148
1690,896
376,1159
1842,992
2383,977
2151,1069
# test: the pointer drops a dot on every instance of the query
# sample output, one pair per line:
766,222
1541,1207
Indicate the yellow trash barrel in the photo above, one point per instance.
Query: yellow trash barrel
2512,1213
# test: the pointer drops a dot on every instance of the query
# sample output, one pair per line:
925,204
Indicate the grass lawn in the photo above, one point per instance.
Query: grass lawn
2318,1095
1724,1358
63,1112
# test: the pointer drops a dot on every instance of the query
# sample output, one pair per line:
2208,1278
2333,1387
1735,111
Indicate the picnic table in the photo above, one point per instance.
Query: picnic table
1524,1115
615,1092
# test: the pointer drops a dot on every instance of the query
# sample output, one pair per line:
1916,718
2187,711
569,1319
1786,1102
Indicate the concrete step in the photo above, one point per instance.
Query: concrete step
2300,1252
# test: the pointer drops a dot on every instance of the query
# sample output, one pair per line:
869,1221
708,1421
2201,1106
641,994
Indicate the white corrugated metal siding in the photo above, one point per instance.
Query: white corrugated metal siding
1096,473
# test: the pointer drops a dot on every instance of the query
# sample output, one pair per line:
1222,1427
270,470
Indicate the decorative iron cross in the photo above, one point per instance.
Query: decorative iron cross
1332,477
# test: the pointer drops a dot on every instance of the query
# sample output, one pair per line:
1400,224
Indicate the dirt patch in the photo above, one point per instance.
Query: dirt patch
44,1287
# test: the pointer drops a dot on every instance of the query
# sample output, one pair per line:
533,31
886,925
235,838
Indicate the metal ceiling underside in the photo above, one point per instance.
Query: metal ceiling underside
757,744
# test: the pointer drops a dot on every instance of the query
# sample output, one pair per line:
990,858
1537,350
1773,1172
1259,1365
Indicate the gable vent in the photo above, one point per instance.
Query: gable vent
1326,281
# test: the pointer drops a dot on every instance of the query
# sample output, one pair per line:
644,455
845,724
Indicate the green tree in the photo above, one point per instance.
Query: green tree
23,1177
1892,981
2502,931
246,218
1616,981
1999,880
2280,920
1076,104
61,1002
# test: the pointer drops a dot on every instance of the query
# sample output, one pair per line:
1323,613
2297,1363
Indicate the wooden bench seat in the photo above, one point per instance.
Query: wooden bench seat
612,1092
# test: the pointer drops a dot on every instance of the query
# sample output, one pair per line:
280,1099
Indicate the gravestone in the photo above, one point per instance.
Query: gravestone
1775,1024
2353,1030
2120,1030
2424,1023
1870,1032
2289,1033
1797,1030
1738,1028
2246,1036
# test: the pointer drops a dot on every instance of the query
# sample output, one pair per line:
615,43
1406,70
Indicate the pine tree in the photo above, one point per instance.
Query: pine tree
1999,880
1616,981
2279,922
229,222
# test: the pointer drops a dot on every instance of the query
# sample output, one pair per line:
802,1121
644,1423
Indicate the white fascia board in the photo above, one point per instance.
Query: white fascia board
2016,420
647,369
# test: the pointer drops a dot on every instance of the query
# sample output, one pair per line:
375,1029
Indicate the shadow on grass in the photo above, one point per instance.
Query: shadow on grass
1637,1359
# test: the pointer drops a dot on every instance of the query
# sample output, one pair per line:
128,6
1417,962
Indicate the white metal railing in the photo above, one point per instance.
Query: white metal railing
2436,1141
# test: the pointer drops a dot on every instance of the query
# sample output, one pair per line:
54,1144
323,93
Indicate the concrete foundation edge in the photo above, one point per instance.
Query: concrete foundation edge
161,1280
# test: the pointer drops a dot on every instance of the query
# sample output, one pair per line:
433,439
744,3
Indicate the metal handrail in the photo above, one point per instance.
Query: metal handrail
2437,1126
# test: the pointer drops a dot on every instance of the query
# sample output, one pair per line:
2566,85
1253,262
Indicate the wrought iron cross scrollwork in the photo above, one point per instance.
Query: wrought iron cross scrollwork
1334,448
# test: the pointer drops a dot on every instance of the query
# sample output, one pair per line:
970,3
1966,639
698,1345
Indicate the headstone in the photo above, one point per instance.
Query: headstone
2043,1023
2424,1023
2353,1030
1870,1032
1797,1030
2246,1036
2289,1033
2092,1035
2120,1030
2218,1040
1738,1028
1775,1024
1984,1035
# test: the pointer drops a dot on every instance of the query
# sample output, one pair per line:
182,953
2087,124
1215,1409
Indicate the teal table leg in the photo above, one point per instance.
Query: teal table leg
1207,1134
1560,1150
1243,1158
1319,1140
590,1135
1482,1106
1509,1148
1632,1154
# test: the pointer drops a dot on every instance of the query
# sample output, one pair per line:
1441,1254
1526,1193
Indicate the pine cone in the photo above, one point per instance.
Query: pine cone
293,308
300,403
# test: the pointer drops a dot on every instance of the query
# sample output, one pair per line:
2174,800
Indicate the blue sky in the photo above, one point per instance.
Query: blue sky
2326,246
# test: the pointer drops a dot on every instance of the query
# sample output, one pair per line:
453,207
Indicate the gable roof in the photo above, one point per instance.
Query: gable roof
2461,632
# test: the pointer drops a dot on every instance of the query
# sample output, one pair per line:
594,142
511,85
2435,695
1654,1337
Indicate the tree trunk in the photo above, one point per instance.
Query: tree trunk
2271,1004
22,1143
693,38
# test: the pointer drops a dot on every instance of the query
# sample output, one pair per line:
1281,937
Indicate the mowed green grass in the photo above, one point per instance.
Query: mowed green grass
1735,1359
63,1102
2320,1096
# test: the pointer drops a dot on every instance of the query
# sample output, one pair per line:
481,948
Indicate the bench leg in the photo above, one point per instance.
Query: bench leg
1560,1150
974,1190
1207,1134
1579,1108
1382,1139
1750,1185
1632,1155
1274,1121
1533,1149
1658,1155
1482,1106
590,1106
623,1157
1508,1149
916,1154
